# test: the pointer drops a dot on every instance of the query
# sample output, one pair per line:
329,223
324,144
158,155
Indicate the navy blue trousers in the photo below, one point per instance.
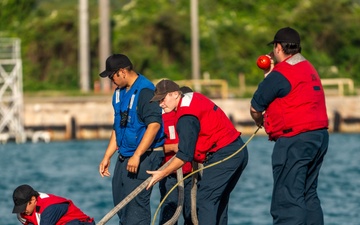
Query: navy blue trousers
137,211
296,164
170,204
217,182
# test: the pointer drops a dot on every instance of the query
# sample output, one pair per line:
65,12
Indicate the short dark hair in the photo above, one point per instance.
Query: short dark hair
290,48
185,89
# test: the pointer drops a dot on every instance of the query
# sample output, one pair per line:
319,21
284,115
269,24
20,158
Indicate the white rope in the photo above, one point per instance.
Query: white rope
175,217
130,197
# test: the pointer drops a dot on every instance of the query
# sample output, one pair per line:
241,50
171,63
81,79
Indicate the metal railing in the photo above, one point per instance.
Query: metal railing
340,83
10,48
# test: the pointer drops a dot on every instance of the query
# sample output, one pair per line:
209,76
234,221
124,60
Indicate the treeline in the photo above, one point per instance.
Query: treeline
156,35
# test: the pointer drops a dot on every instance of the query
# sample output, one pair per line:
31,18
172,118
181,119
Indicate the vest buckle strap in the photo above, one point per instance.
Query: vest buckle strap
122,158
208,156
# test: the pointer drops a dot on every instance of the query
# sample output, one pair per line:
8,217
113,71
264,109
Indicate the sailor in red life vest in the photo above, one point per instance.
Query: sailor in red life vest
35,208
169,206
290,104
206,135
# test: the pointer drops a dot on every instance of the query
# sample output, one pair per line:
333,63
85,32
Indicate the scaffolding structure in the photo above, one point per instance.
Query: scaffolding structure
11,91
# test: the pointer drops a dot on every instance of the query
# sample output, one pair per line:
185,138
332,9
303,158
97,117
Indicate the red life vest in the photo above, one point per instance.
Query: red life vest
304,108
216,130
45,200
172,138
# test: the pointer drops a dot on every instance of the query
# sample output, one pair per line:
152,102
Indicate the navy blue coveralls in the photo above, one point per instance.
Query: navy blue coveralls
296,163
137,211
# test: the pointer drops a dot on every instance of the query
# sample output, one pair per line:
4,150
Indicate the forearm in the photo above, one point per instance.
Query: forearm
148,138
168,148
158,175
257,117
175,164
112,146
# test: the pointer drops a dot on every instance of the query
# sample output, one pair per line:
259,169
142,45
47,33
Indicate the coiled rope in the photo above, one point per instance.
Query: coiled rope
193,194
175,217
203,168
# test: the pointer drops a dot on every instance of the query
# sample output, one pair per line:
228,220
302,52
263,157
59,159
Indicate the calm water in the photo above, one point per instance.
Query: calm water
70,169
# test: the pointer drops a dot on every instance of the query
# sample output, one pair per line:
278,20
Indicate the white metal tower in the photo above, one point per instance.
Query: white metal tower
11,91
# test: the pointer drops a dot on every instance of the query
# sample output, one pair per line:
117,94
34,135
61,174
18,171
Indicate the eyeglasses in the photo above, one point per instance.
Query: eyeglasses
111,77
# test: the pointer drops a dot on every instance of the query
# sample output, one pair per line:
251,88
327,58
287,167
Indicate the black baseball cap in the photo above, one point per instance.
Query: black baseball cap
286,35
114,63
21,196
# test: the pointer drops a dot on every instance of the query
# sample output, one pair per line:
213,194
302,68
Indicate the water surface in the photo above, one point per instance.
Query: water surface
70,169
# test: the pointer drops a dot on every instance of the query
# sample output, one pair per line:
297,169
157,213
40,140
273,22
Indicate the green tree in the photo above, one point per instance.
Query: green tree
13,13
156,36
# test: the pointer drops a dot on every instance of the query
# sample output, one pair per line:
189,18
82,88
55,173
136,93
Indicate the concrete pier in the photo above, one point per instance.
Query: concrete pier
66,118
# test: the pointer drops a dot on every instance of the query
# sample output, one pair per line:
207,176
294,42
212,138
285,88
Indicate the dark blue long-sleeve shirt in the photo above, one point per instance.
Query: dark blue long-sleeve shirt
53,213
188,128
275,85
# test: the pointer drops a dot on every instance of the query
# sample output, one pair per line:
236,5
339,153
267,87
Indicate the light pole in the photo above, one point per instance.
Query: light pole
195,56
104,43
84,53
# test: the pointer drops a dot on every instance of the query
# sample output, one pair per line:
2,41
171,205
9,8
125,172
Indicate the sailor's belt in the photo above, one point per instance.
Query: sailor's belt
161,148
122,158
